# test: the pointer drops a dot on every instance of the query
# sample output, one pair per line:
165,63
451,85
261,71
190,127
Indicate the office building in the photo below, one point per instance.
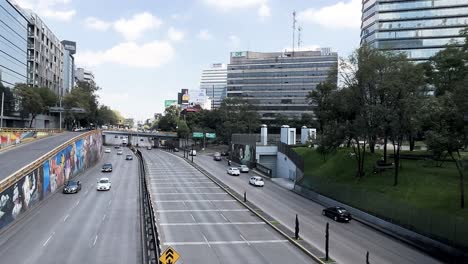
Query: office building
84,75
418,28
214,82
13,32
68,65
45,55
278,83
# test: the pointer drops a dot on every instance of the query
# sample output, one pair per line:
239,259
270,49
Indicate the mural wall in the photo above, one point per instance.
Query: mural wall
11,138
244,154
50,176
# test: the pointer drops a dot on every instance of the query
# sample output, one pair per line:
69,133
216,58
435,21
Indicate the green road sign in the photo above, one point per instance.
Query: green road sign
210,135
197,135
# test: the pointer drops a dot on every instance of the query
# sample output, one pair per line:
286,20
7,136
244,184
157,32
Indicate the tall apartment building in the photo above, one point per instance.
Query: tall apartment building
418,28
278,83
45,56
214,82
13,32
68,65
84,75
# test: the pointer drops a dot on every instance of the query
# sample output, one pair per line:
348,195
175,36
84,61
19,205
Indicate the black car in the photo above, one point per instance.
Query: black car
117,147
72,187
107,167
217,156
129,157
141,139
337,213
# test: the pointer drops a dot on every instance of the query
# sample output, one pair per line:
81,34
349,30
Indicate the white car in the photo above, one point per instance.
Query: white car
243,168
103,184
107,150
233,171
257,181
120,152
193,152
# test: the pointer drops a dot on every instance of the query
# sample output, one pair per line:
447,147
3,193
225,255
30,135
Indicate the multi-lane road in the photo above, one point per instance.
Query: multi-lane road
87,227
348,242
22,155
205,224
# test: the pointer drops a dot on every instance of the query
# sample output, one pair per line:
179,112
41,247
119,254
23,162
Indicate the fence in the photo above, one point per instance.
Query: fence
263,169
288,150
448,229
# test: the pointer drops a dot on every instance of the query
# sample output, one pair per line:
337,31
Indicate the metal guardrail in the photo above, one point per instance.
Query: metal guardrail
150,237
16,176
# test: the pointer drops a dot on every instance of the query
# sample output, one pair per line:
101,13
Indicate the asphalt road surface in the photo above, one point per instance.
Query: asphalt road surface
206,225
87,227
14,159
349,242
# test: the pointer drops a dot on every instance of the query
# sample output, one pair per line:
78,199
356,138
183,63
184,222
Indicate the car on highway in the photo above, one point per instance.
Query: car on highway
217,156
129,157
148,148
107,150
225,153
243,168
107,167
103,184
337,213
193,152
141,139
72,187
115,136
119,152
233,171
256,181
176,150
117,147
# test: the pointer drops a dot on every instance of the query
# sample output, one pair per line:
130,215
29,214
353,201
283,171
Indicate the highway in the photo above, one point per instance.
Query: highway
205,224
14,159
348,242
87,227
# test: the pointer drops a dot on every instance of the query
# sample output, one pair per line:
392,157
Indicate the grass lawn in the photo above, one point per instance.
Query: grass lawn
426,198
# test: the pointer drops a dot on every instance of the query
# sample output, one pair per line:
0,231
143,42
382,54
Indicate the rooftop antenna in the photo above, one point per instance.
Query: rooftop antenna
294,30
299,40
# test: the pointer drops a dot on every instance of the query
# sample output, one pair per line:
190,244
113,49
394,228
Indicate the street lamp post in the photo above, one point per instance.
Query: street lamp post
1,113
60,114
191,153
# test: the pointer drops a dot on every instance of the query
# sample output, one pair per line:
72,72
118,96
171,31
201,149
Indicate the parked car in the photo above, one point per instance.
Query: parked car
193,152
119,152
72,187
233,171
107,167
103,184
107,150
217,156
149,148
225,153
256,181
176,150
129,157
337,213
243,168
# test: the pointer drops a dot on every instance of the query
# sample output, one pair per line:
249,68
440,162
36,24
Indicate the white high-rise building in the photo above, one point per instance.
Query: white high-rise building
84,75
214,82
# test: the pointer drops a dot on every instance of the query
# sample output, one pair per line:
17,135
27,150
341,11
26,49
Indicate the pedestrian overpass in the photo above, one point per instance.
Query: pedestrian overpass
155,136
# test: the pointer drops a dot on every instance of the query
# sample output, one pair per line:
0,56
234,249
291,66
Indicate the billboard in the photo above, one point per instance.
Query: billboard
197,97
185,96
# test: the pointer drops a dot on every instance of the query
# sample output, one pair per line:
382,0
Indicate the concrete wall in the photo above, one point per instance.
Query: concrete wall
285,168
47,177
46,121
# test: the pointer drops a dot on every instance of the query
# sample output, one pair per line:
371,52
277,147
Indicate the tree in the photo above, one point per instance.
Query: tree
183,130
29,101
84,96
105,115
169,121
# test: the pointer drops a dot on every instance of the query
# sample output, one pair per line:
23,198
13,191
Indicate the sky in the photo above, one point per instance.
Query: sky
143,52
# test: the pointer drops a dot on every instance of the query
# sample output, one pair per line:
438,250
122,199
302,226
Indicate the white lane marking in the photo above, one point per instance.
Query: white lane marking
48,239
104,217
95,239
201,210
159,193
77,203
178,178
110,201
184,204
193,217
66,217
192,201
224,223
248,243
206,241
224,217
224,242
160,188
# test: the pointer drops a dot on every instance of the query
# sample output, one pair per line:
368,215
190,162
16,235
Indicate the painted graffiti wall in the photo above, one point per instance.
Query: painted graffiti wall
12,138
50,176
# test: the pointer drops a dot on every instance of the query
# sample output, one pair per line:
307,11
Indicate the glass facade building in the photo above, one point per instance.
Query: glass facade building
13,45
419,28
278,83
213,81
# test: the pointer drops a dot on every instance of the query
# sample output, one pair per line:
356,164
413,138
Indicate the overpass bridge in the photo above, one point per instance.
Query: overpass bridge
155,136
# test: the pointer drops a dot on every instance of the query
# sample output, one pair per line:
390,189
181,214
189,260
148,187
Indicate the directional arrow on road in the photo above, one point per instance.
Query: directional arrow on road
169,256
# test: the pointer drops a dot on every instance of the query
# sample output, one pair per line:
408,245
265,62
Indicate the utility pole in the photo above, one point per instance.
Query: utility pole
294,31
60,118
1,114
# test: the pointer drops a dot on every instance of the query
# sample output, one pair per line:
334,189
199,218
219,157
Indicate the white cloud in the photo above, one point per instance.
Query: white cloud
342,15
97,24
54,9
148,55
175,35
204,34
226,5
234,41
134,27
264,11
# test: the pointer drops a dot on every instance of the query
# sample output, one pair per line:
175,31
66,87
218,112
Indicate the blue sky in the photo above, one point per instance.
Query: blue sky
144,51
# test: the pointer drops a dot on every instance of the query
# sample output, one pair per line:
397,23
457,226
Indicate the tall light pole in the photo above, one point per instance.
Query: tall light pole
1,114
60,113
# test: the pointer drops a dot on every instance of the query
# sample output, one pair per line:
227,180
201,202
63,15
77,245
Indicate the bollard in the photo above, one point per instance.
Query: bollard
245,197
326,241
367,258
296,230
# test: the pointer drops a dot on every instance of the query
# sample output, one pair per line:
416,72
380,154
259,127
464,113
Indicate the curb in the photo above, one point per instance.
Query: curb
281,232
